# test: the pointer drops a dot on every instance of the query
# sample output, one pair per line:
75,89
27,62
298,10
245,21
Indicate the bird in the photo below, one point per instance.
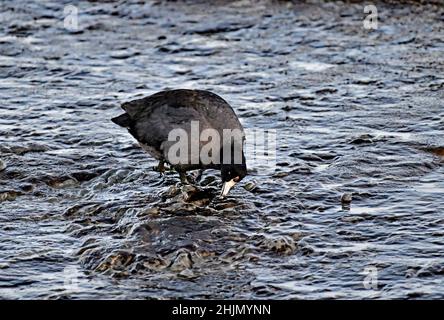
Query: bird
189,130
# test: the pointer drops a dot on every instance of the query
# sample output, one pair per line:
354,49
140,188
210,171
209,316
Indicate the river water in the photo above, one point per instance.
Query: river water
357,112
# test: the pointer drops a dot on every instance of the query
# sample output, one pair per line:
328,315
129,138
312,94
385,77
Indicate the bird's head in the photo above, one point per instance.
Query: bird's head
232,173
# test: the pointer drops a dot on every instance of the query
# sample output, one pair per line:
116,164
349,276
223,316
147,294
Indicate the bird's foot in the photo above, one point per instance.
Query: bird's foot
161,168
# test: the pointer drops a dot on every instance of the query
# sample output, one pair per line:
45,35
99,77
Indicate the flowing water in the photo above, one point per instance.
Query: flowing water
357,112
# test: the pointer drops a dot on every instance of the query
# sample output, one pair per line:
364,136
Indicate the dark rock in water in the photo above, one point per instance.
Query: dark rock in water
116,261
181,261
225,205
171,192
189,194
27,187
62,182
282,174
284,245
149,212
9,195
143,231
439,151
194,194
346,198
82,176
147,261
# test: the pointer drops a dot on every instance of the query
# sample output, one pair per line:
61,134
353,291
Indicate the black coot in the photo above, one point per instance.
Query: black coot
214,135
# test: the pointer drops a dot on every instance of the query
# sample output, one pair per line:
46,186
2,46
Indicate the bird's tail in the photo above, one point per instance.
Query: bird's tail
123,120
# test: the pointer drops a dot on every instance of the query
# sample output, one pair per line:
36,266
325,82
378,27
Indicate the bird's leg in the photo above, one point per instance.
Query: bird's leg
160,167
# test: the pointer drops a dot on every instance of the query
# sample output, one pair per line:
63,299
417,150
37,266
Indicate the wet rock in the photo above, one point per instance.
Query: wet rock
282,245
439,151
91,257
187,197
62,182
281,174
189,189
27,187
2,165
187,274
116,261
180,208
149,262
86,248
171,192
197,196
236,254
181,261
149,212
225,205
9,195
82,176
144,231
346,198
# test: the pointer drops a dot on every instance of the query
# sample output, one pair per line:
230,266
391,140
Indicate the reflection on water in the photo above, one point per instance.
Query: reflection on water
83,215
311,66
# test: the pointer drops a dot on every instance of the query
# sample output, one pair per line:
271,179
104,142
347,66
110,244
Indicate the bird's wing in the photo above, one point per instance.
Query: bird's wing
154,117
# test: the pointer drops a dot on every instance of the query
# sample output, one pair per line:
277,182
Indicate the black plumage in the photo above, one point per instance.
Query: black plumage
150,120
